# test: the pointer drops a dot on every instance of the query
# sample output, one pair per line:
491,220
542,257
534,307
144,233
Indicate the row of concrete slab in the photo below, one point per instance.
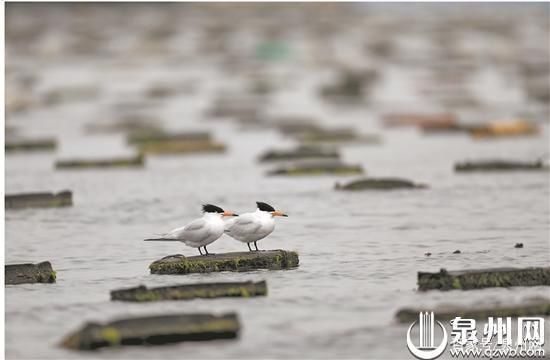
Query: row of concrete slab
164,329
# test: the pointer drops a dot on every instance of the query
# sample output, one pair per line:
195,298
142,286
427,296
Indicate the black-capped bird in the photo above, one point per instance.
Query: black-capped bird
253,226
200,232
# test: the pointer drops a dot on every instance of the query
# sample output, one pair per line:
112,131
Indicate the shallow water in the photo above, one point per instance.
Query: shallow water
359,252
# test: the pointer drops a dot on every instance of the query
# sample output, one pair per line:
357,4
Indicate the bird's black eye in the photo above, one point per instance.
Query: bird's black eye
209,208
264,207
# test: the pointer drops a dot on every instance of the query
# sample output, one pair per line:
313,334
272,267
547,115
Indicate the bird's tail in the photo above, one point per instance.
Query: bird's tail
160,239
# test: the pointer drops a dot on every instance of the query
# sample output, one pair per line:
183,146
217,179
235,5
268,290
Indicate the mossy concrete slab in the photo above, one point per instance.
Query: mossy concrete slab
123,162
42,200
483,278
154,330
29,273
191,291
540,307
314,168
234,261
31,145
379,184
501,165
141,138
300,153
168,147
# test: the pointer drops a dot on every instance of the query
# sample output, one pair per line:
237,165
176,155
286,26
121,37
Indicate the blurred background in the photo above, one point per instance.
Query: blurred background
146,111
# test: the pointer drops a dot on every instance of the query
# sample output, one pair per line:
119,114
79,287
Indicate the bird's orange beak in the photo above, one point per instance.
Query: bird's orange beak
279,213
229,213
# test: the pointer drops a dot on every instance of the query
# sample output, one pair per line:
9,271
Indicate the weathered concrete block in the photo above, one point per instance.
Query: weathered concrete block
29,273
379,184
317,168
191,291
181,147
154,330
142,137
300,153
539,307
501,165
44,199
234,261
483,278
135,161
31,145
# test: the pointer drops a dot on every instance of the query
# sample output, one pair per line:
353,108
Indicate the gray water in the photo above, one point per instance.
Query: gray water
359,252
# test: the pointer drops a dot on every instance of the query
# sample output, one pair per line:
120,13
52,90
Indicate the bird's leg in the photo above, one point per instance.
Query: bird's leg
249,248
207,253
200,250
256,245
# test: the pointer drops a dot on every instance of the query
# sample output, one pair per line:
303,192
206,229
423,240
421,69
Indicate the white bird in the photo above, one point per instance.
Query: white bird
254,226
200,232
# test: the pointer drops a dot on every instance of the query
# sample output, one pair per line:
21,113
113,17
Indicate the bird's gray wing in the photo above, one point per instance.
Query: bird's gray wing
193,231
243,225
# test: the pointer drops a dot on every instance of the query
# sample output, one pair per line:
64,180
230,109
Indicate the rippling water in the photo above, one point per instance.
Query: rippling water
359,252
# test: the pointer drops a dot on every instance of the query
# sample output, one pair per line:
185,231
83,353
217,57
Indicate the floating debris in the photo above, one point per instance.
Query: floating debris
41,200
317,168
234,261
456,252
135,161
29,273
299,153
191,291
538,307
501,165
379,184
518,246
46,144
483,278
154,330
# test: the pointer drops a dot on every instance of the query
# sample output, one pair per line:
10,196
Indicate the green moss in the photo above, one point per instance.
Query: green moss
242,262
244,292
456,284
111,335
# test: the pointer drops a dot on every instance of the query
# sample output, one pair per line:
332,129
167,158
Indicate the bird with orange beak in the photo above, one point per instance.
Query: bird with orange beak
251,227
200,232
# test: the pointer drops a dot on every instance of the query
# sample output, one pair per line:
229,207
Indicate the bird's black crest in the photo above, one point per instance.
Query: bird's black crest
264,207
209,208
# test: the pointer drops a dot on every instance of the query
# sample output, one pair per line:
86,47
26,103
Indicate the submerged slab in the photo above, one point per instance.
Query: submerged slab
317,168
539,307
42,199
300,153
483,278
31,145
135,161
501,165
234,261
154,330
29,273
191,291
379,184
166,147
140,138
